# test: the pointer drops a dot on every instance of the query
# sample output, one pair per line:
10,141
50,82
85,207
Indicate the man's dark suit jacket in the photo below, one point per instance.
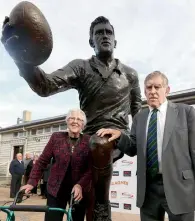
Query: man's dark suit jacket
16,168
58,147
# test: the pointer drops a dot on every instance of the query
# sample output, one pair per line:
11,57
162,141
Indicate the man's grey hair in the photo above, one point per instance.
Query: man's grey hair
156,74
76,110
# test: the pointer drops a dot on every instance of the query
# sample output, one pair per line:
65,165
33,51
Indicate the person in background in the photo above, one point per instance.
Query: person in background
16,170
26,160
44,180
71,170
29,169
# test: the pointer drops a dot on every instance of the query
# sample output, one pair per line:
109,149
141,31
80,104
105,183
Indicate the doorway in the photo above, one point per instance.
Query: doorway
18,149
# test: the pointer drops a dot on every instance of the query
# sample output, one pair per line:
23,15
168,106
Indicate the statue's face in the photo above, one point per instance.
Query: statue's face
103,39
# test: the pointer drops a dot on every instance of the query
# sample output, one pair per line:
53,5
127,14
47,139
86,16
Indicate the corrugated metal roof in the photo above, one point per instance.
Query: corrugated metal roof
175,93
34,122
183,91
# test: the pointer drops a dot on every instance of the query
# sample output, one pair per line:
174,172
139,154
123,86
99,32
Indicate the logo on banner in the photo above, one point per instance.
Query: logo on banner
113,194
115,173
127,195
127,206
114,205
119,183
126,162
127,173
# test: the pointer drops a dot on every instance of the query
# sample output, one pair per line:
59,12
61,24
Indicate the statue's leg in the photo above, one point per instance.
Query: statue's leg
102,173
102,210
90,205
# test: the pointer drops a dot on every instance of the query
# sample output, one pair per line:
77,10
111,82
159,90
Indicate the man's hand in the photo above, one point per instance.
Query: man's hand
27,188
115,134
77,190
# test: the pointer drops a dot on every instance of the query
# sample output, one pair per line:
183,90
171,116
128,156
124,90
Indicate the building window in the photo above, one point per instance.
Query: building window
47,129
33,132
63,127
21,133
55,128
40,131
15,134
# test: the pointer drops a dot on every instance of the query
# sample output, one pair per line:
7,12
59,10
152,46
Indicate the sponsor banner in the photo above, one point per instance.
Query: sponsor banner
114,205
123,186
126,163
115,173
120,182
127,173
113,194
127,206
127,195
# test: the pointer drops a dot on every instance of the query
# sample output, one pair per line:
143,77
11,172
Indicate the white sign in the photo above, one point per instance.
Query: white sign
123,186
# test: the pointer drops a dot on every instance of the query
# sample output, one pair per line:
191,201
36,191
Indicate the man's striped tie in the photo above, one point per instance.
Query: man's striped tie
152,152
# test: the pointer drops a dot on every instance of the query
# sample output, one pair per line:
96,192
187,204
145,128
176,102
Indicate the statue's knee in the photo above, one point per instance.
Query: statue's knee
102,151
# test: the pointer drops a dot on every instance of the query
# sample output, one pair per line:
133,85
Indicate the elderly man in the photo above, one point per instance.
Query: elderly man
71,169
17,171
162,137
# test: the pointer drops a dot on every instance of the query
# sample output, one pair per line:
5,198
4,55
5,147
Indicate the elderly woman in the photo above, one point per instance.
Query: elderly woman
71,168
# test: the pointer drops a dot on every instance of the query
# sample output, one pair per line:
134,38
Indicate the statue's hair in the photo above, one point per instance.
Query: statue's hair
98,20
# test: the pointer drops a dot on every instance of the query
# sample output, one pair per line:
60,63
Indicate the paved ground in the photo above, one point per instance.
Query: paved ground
36,200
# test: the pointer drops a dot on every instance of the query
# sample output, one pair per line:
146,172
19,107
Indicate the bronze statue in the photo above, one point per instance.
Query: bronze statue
108,92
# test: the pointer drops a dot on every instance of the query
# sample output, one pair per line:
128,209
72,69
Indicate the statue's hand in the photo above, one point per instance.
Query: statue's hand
115,134
10,40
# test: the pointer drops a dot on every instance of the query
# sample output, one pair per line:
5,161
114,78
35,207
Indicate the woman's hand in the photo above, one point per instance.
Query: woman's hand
77,190
27,188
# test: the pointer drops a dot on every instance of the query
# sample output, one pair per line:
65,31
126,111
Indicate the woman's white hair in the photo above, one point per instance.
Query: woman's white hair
76,110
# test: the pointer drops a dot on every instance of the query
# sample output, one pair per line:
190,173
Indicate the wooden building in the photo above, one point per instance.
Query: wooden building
26,136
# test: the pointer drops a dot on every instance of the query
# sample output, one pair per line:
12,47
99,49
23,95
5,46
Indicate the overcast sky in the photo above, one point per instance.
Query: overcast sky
152,35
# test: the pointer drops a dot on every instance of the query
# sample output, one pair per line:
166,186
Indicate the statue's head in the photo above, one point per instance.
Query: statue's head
102,37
